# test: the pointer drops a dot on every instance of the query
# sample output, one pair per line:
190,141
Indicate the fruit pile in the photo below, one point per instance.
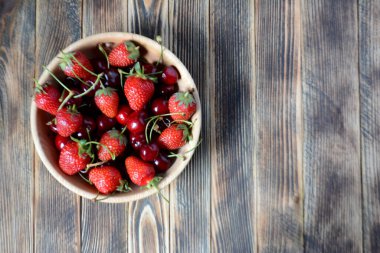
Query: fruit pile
117,119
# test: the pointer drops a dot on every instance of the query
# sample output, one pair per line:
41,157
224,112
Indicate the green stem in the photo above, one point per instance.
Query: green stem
80,64
95,164
91,88
101,49
104,146
56,78
66,99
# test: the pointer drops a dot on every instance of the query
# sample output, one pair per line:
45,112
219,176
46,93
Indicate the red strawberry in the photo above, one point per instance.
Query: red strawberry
76,65
69,120
107,100
73,158
107,179
182,105
141,173
47,98
124,54
111,142
138,88
174,137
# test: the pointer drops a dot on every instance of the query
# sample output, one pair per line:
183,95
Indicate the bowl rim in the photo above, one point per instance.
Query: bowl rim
122,197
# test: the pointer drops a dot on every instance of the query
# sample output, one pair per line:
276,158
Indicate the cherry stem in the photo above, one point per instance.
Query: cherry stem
106,197
160,60
182,121
101,49
85,179
121,77
56,78
70,95
123,130
160,193
91,88
95,164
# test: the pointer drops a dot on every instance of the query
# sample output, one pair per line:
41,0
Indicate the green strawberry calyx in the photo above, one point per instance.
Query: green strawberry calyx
107,91
69,59
116,134
132,49
184,98
139,72
186,132
123,187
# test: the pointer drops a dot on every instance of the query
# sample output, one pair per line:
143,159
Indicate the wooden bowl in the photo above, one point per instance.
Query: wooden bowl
44,140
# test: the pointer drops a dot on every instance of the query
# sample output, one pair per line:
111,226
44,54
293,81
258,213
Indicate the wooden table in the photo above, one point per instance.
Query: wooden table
291,129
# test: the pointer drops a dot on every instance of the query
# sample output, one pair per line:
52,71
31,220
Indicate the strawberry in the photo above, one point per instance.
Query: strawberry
107,100
69,120
73,158
112,144
47,98
107,179
76,65
138,88
182,105
141,173
174,137
124,54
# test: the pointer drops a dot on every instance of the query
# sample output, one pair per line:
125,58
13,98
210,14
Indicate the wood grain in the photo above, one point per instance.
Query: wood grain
190,193
104,226
148,220
369,52
57,210
279,217
332,179
232,194
17,42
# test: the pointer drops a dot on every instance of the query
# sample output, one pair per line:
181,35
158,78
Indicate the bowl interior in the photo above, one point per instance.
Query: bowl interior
44,139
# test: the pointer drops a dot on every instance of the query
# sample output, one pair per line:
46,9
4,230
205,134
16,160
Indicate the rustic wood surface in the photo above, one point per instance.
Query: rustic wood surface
291,134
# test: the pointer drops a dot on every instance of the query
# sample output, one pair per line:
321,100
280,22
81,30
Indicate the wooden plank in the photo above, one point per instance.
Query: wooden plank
148,229
279,130
232,90
332,178
17,42
104,226
57,210
190,193
369,53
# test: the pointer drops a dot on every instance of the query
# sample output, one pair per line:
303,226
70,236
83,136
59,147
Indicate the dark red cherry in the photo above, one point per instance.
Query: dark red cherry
160,106
100,64
162,163
89,123
164,123
72,100
167,90
104,123
61,141
137,140
112,77
169,75
123,113
136,121
149,68
81,134
89,85
52,126
149,152
71,82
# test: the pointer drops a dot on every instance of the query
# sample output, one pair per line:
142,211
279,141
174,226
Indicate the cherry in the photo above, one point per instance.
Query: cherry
123,113
149,68
71,82
167,90
163,123
52,126
104,123
136,121
61,141
160,106
72,101
100,64
89,123
88,107
81,133
162,163
149,152
112,77
137,140
89,85
169,75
